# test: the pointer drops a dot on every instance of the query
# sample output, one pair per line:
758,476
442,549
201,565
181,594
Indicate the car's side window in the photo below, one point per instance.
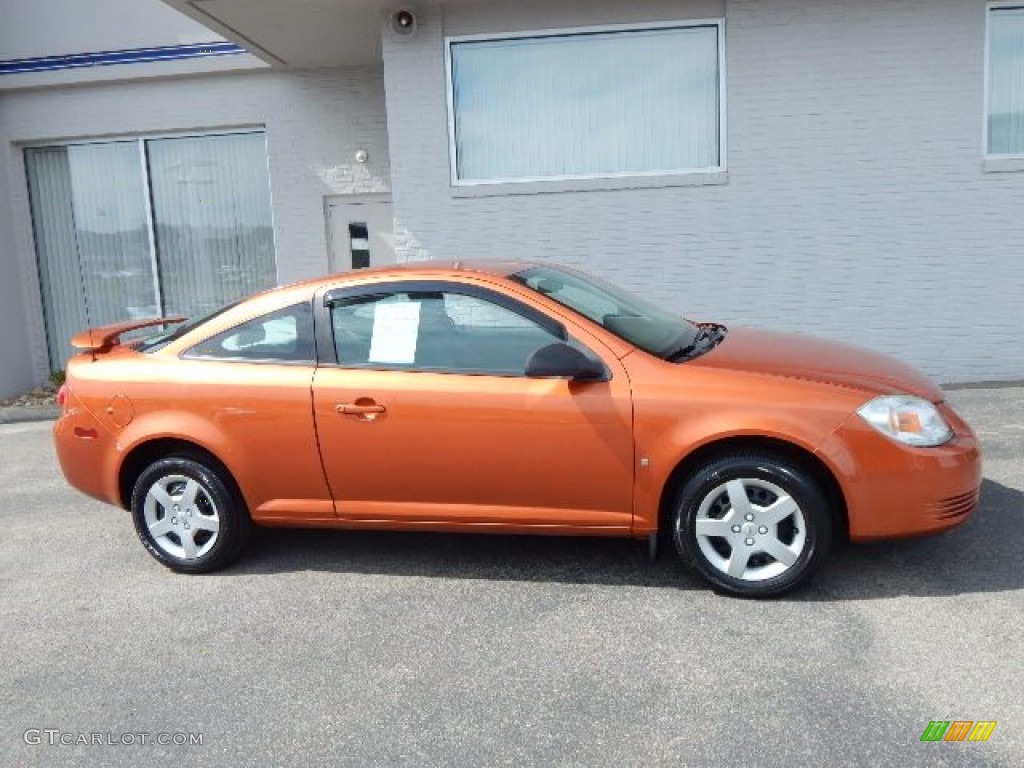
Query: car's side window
434,331
285,335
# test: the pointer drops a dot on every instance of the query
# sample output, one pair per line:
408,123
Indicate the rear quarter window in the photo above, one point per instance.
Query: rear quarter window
285,335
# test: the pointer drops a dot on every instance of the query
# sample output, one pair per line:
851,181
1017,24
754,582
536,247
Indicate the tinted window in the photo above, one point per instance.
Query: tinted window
434,331
285,335
161,340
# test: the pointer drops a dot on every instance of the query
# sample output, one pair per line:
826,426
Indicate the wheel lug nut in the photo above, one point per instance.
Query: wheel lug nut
750,542
749,516
735,529
763,529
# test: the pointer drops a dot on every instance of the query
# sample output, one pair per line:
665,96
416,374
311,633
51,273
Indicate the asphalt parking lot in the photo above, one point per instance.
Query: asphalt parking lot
361,649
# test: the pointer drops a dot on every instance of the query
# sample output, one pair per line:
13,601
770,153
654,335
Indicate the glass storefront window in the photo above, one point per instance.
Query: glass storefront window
139,228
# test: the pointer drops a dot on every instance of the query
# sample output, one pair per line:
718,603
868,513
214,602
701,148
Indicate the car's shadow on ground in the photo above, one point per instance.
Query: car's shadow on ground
981,556
562,559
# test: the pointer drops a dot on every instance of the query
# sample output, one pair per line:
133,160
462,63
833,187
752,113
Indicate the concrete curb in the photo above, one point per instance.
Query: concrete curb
20,414
1014,384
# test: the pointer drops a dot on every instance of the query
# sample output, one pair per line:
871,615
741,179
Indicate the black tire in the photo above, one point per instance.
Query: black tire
214,499
808,531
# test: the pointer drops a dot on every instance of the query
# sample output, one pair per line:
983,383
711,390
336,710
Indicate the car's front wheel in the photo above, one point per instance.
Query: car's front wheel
187,517
753,525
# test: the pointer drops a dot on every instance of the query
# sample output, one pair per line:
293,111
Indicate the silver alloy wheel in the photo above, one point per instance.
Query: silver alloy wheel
181,517
750,529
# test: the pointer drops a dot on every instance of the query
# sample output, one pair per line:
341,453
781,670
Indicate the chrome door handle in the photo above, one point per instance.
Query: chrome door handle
358,410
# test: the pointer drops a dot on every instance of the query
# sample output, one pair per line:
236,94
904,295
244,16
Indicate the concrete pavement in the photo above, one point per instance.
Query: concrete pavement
360,649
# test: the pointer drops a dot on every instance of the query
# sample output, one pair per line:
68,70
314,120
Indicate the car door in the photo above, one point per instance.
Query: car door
425,416
250,386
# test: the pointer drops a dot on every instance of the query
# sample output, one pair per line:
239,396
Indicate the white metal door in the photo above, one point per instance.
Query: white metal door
360,232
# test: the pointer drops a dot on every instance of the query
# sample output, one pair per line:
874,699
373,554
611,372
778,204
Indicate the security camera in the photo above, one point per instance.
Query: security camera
403,22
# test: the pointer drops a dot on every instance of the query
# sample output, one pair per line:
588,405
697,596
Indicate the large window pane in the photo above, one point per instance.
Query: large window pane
639,101
211,209
1006,81
92,242
95,222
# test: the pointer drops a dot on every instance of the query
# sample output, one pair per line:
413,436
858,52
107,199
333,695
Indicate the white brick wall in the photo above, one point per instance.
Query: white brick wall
315,122
856,207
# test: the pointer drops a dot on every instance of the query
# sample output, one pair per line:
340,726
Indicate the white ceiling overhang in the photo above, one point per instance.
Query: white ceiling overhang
298,33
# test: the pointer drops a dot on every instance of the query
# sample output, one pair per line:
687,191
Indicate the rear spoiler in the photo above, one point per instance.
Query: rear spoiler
108,336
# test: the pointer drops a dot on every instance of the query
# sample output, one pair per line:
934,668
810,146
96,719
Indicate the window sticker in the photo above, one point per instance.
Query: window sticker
396,328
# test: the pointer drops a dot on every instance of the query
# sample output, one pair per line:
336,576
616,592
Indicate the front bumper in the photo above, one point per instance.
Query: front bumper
893,490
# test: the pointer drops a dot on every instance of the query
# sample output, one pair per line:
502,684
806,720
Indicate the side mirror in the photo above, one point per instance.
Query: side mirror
561,361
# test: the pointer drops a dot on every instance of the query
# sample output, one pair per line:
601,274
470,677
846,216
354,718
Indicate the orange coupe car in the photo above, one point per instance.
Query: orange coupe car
508,398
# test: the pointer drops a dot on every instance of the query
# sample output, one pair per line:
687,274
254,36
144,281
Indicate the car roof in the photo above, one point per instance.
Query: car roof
493,267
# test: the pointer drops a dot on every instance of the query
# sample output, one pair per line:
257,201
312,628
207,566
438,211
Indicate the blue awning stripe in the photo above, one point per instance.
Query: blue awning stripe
130,56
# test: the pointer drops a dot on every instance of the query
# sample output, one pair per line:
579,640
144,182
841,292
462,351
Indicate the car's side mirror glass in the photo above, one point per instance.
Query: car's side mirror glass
562,361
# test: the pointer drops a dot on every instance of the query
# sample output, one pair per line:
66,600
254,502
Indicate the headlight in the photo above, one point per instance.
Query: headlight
907,419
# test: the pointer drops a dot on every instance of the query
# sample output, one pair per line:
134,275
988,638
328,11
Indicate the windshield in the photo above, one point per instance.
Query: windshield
629,317
161,340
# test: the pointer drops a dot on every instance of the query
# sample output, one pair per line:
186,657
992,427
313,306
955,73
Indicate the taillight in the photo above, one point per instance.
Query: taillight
62,394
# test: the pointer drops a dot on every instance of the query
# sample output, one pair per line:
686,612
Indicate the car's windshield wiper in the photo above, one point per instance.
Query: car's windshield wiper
708,336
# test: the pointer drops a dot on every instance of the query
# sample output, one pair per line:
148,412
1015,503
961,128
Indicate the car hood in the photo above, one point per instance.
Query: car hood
805,357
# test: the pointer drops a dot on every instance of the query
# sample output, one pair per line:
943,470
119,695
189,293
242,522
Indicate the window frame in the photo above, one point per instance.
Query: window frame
721,168
1013,158
327,352
187,353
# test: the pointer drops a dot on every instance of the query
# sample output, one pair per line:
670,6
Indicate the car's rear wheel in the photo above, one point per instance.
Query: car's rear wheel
753,525
187,516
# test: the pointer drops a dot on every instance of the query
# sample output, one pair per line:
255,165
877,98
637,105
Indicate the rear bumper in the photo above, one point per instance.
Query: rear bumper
84,448
893,490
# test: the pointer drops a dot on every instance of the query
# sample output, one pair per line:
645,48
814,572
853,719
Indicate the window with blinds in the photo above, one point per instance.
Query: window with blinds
1005,98
146,227
586,103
